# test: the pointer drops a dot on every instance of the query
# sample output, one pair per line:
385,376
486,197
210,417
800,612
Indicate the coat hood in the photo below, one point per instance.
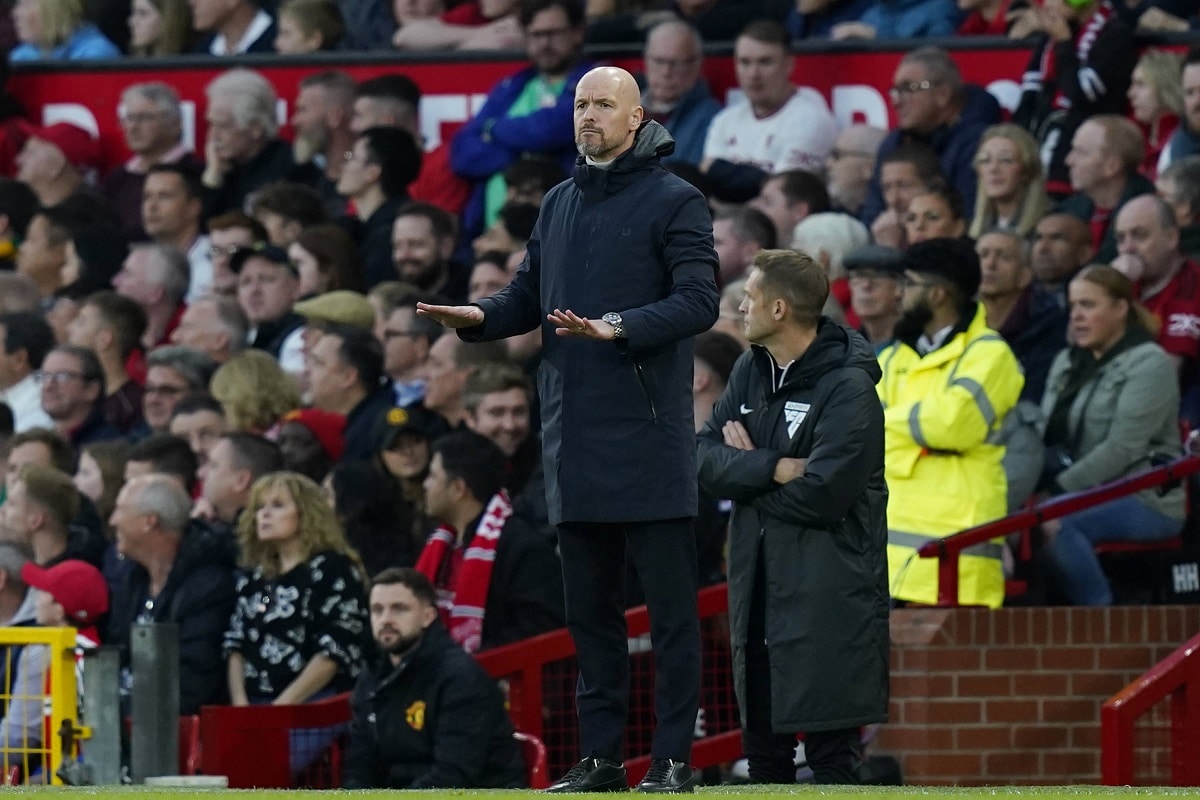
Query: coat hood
836,347
651,143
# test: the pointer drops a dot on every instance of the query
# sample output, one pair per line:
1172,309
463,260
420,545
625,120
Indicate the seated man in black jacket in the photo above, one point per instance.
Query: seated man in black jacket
426,715
182,573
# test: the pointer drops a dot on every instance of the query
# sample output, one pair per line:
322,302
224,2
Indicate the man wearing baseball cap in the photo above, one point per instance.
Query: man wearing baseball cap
267,288
71,593
948,381
56,161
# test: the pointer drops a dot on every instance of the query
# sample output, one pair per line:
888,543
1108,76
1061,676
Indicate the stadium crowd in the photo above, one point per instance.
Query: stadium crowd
218,393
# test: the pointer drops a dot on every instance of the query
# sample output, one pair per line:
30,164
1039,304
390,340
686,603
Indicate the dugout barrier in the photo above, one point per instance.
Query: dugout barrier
277,747
41,717
1151,729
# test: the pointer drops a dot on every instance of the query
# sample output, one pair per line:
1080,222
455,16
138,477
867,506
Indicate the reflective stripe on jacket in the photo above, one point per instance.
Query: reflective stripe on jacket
941,412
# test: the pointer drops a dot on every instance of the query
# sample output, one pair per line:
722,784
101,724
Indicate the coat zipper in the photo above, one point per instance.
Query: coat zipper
637,366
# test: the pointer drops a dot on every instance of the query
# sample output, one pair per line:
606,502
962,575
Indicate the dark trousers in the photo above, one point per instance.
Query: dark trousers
832,755
664,554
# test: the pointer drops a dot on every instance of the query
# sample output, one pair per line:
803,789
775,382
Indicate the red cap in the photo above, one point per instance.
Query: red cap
75,585
76,144
327,426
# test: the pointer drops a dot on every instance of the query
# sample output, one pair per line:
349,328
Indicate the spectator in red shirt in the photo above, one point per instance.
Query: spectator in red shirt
1155,103
475,25
984,17
1106,152
1167,282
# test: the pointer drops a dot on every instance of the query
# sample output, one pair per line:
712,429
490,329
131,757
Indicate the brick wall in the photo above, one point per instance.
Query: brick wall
1013,696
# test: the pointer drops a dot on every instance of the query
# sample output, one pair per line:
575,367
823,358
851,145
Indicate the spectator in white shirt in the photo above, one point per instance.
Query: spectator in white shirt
27,339
778,127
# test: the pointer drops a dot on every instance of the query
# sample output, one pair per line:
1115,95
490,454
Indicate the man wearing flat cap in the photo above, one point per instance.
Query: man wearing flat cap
948,381
874,278
331,309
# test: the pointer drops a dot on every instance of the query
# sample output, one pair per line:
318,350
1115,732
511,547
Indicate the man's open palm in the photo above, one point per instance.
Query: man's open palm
452,316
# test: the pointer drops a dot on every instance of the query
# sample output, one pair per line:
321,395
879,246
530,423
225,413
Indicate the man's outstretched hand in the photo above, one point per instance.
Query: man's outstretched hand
452,316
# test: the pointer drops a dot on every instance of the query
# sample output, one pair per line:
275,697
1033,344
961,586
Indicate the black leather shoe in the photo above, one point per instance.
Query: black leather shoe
592,774
672,777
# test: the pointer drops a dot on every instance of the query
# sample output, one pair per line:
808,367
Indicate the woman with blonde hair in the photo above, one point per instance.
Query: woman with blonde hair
1155,103
160,27
1111,407
255,391
298,627
1011,192
56,30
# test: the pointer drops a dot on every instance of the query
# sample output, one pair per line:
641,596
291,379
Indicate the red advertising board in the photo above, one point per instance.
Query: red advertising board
854,83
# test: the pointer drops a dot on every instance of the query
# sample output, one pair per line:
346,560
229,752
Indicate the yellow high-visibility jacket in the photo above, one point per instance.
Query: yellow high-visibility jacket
941,412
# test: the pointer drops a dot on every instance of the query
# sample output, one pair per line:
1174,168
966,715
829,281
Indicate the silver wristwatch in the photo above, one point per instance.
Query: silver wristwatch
614,319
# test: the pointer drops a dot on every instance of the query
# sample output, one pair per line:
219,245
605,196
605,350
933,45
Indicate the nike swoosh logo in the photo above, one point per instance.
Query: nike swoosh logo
745,409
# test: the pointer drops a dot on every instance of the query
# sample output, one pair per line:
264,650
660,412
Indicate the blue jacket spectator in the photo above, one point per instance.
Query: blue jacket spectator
819,22
951,125
674,92
906,19
56,30
527,113
688,123
369,24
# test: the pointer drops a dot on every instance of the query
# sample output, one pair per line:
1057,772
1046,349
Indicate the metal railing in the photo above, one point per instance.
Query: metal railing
41,724
947,550
1176,680
539,676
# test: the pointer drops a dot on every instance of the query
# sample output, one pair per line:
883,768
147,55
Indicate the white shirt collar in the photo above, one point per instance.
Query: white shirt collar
258,26
927,344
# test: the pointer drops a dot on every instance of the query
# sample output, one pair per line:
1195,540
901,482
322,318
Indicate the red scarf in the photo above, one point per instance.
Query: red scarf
462,605
1085,37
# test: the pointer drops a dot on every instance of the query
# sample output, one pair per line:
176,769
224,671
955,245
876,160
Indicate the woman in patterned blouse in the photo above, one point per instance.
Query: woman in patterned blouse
298,628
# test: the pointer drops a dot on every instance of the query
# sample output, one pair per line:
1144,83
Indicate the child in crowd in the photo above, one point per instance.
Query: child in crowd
72,594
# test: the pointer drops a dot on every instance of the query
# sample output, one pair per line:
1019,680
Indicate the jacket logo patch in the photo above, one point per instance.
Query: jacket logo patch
414,715
794,414
1184,325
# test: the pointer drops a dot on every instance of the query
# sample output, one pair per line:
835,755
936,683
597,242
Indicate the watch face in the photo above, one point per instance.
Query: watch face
612,318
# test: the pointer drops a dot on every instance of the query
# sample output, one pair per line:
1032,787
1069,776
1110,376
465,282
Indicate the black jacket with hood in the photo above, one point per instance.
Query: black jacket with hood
436,721
198,597
823,536
617,418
